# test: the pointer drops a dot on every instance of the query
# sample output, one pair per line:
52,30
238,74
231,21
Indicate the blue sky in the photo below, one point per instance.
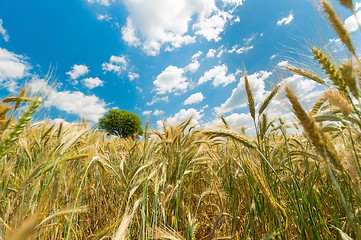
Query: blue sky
165,60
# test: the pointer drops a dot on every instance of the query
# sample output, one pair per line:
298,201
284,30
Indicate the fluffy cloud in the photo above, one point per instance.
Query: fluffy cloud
219,76
156,99
105,17
234,2
335,45
238,97
78,71
285,21
133,76
171,80
158,112
92,82
183,115
12,68
129,34
351,23
3,32
90,107
146,113
158,23
100,2
236,121
116,64
282,64
211,53
194,98
357,6
211,27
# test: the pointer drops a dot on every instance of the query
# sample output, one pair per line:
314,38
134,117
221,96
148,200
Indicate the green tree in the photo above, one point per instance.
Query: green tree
121,123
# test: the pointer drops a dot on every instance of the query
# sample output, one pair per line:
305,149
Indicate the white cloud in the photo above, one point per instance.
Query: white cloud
158,112
171,80
105,17
132,76
357,6
238,97
335,45
12,66
235,121
58,121
90,107
194,98
92,82
211,27
239,50
234,2
78,71
219,76
3,32
211,53
100,2
146,113
156,99
116,64
196,55
285,21
129,34
192,67
183,115
352,22
282,64
158,23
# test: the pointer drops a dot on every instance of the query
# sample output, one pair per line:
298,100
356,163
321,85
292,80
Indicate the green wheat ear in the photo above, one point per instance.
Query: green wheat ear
19,127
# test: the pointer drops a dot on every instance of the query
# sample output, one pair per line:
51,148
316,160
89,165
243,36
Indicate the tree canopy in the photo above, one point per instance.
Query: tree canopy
121,123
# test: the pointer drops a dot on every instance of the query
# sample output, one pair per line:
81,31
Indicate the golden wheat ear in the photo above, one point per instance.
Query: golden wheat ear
349,77
268,99
338,26
307,74
347,4
250,97
331,70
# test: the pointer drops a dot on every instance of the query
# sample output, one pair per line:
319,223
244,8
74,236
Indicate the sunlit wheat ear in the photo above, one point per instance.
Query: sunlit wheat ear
231,134
347,3
250,98
348,75
318,105
307,74
338,26
19,127
269,98
335,98
307,123
333,73
4,109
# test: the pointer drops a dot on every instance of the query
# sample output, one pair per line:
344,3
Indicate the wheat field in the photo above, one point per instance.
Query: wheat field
61,181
